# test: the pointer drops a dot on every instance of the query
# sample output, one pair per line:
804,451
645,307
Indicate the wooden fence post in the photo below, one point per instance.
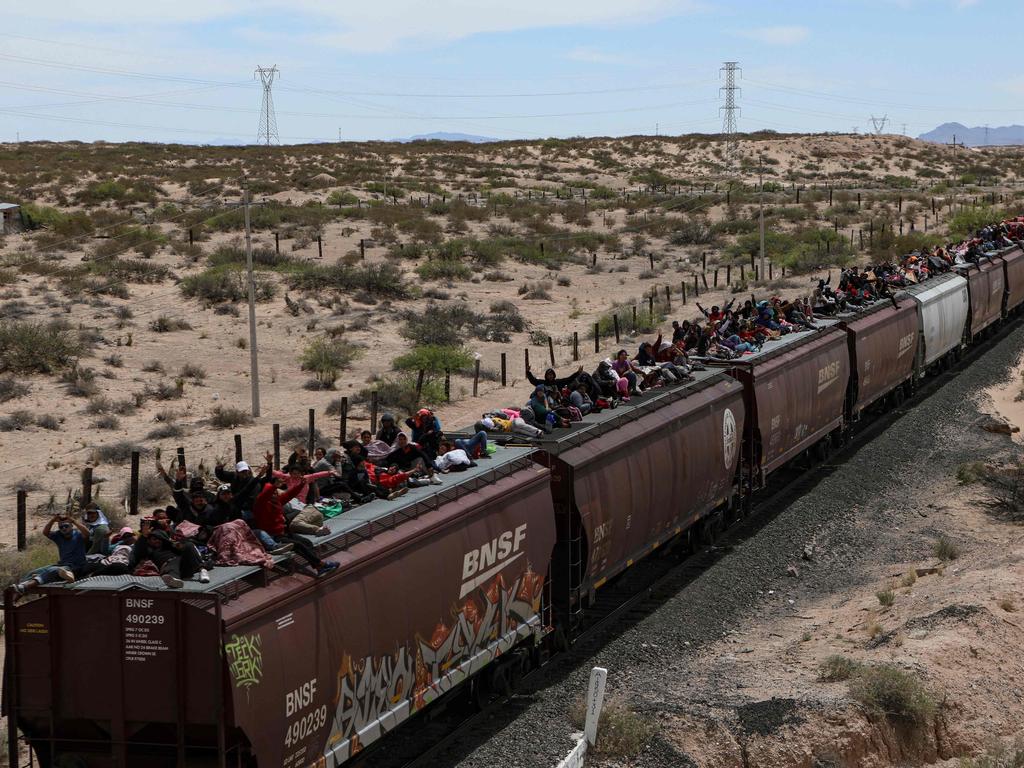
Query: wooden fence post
447,385
504,369
311,442
419,391
597,337
133,488
476,376
181,456
374,402
575,346
277,446
551,351
86,487
238,448
22,505
526,361
615,321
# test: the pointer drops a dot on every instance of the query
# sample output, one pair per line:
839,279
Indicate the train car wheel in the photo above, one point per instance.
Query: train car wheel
480,691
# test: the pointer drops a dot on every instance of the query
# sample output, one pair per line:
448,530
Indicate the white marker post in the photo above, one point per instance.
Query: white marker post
595,700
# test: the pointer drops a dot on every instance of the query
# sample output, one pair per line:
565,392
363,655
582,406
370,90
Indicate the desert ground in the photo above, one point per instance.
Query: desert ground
123,326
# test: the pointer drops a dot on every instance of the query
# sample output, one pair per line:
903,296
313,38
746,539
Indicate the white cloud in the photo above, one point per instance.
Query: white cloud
776,35
373,26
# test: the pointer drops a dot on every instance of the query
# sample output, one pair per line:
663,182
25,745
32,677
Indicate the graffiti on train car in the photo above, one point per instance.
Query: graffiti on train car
482,627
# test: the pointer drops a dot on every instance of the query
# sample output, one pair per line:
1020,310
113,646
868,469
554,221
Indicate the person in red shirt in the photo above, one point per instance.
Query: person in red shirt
268,514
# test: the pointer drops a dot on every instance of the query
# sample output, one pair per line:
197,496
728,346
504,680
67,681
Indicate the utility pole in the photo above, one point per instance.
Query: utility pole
254,367
760,207
267,132
986,134
730,111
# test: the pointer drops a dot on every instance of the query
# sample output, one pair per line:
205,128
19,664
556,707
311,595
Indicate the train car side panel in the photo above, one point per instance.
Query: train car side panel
985,285
1013,264
884,347
943,310
325,671
798,396
638,485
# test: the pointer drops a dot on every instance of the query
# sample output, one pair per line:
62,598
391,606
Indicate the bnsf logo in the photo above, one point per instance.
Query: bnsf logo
478,565
828,375
906,342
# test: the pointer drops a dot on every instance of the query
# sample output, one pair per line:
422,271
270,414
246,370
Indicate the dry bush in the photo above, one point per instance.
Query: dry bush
945,550
621,732
838,668
894,693
224,417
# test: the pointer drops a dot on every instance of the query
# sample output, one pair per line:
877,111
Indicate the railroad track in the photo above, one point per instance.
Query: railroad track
636,594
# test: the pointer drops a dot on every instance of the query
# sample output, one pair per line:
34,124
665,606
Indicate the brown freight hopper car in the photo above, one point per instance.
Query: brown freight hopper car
626,481
883,344
118,671
985,281
794,392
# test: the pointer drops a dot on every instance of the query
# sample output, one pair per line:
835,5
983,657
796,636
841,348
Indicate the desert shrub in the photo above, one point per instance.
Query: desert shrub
398,392
886,597
444,269
433,359
837,669
152,489
326,357
440,326
340,198
165,324
118,452
621,732
153,366
48,421
79,382
888,691
27,347
224,417
944,549
165,390
538,290
107,421
965,223
17,420
11,389
192,371
384,280
165,432
970,472
998,756
99,404
226,284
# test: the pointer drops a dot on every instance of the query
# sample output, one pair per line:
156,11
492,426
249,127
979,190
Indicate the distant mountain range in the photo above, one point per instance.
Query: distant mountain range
978,136
443,136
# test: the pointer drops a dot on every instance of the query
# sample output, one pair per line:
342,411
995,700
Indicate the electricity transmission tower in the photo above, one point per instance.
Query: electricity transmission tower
729,110
267,132
878,123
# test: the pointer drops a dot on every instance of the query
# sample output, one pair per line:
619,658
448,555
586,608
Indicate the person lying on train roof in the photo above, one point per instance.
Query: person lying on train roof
500,421
452,459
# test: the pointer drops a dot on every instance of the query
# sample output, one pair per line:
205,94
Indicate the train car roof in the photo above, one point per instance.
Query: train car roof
354,525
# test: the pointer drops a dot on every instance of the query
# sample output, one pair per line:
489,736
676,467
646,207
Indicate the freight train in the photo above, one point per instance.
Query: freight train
467,584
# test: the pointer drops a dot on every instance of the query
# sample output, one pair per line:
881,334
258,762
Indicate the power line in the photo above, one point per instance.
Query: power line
730,112
267,133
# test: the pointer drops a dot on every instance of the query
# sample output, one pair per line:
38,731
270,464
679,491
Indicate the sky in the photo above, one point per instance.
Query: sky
184,70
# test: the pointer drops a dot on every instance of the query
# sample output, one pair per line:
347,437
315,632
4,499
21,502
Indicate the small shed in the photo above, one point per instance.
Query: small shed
10,218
